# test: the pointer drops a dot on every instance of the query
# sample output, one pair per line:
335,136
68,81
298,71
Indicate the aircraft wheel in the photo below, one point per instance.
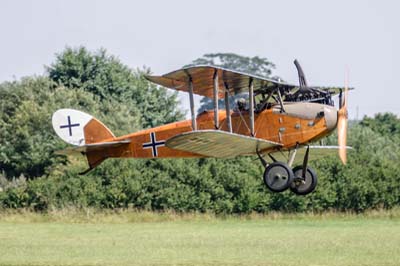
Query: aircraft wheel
300,186
278,176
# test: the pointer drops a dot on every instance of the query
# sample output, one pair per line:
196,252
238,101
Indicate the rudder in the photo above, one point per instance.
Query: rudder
78,128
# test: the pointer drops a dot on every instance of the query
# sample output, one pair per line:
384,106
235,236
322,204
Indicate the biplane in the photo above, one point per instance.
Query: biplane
277,122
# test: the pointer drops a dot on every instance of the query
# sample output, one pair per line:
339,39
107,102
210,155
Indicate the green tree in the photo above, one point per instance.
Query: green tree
27,139
387,124
105,76
93,82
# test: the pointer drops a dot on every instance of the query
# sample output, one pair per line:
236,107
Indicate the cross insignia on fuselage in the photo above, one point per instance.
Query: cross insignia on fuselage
70,126
153,144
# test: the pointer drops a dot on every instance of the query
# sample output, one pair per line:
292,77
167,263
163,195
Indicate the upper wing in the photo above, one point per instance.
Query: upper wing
92,147
215,143
316,152
203,83
236,82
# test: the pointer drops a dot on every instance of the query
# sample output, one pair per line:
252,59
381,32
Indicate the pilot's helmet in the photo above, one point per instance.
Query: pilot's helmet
241,101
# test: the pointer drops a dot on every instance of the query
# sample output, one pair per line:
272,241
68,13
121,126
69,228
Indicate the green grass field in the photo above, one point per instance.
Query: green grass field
162,239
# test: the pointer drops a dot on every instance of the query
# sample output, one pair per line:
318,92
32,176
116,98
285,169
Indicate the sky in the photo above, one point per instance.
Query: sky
327,37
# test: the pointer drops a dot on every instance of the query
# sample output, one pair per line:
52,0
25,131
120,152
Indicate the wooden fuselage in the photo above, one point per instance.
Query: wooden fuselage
287,128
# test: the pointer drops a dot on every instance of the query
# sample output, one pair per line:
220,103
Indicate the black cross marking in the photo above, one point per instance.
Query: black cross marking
153,144
69,126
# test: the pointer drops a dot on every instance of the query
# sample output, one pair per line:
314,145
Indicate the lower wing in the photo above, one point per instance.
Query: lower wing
220,144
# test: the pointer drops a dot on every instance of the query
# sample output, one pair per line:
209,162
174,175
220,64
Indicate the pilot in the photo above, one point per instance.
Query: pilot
241,104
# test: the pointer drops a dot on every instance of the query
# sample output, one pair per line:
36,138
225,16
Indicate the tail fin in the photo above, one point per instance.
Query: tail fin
78,128
82,130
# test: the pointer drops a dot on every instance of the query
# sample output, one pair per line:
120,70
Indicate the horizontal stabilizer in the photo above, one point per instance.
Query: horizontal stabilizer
215,143
92,147
316,152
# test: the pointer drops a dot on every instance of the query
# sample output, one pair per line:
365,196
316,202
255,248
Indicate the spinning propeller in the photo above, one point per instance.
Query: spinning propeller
342,125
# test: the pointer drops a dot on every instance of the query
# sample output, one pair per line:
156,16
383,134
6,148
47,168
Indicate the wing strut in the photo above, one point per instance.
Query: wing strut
251,99
216,119
194,124
280,100
227,108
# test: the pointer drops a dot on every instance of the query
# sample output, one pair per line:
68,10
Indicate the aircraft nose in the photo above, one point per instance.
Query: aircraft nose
330,117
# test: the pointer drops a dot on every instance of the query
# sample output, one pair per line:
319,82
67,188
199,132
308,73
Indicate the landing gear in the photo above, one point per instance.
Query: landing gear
278,176
306,185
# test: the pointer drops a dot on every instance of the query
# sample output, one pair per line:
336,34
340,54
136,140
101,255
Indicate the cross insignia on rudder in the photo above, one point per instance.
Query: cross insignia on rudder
153,144
70,126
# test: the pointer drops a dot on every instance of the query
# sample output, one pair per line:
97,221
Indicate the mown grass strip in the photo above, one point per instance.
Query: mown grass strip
198,240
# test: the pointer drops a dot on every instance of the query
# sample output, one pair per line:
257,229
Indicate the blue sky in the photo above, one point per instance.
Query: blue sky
325,36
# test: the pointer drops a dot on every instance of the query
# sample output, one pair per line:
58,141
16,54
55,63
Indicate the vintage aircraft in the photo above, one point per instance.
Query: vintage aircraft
279,120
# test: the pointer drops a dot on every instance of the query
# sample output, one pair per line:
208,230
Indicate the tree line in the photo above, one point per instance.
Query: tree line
32,176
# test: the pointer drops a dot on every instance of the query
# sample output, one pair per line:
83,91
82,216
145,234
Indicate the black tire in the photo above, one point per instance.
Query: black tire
310,184
278,176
